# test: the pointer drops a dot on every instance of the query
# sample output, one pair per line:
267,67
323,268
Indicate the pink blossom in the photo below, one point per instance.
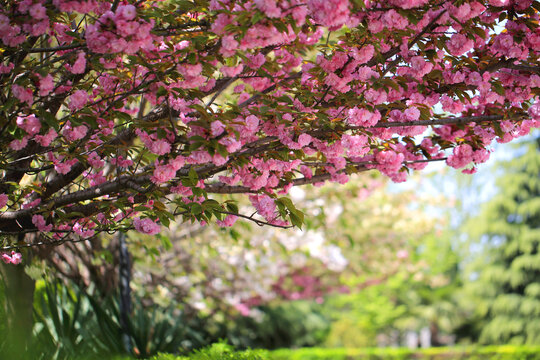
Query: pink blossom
6,69
243,309
252,123
481,156
16,258
127,12
177,163
80,230
45,140
420,67
74,133
256,61
6,258
269,7
459,44
402,254
330,13
357,144
19,144
534,111
188,70
217,128
228,46
121,162
228,221
469,171
63,167
46,85
461,156
365,54
3,200
95,161
412,114
30,124
363,117
31,204
304,140
199,157
393,20
365,73
160,147
40,223
389,162
80,64
231,71
23,94
78,100
38,12
264,204
163,173
146,226
408,4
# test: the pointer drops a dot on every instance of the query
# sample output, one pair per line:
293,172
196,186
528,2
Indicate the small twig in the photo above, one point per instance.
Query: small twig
57,48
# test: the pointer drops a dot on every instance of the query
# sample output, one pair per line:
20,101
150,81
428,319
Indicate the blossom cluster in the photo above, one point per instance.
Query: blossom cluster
14,258
142,111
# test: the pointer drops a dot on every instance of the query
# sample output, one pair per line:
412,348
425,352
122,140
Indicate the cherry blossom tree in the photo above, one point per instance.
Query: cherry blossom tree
132,114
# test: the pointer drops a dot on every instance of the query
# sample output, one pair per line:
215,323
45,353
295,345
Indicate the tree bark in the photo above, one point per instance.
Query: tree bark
19,299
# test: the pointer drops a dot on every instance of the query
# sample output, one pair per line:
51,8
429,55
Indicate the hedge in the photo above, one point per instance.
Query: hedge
506,352
225,352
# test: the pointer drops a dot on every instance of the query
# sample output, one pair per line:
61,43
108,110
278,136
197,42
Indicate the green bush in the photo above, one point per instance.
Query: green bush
218,351
293,324
468,353
222,351
72,324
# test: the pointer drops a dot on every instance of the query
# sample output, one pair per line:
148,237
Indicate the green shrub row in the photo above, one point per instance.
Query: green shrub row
218,351
448,353
225,352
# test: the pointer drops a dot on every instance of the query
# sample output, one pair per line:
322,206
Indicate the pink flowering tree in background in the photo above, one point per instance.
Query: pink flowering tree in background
129,115
344,247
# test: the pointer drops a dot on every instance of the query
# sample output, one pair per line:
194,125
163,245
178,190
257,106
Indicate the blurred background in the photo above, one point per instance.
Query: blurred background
443,260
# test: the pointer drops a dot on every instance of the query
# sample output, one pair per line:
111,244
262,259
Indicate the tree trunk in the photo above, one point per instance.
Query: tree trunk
19,298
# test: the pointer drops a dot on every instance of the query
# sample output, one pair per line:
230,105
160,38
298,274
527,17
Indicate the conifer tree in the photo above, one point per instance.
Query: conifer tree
507,284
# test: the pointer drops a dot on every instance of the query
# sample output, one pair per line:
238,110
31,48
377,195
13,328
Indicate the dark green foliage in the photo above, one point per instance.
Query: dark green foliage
506,279
71,324
63,324
291,324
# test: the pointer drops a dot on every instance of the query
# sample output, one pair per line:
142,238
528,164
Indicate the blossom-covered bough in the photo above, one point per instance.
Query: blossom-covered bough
131,114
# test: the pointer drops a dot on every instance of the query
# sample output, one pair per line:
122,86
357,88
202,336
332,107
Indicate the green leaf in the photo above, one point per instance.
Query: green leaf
232,207
196,208
192,176
161,91
166,242
296,219
184,6
498,88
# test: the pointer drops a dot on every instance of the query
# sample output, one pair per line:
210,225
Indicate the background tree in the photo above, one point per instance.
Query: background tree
420,294
505,279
